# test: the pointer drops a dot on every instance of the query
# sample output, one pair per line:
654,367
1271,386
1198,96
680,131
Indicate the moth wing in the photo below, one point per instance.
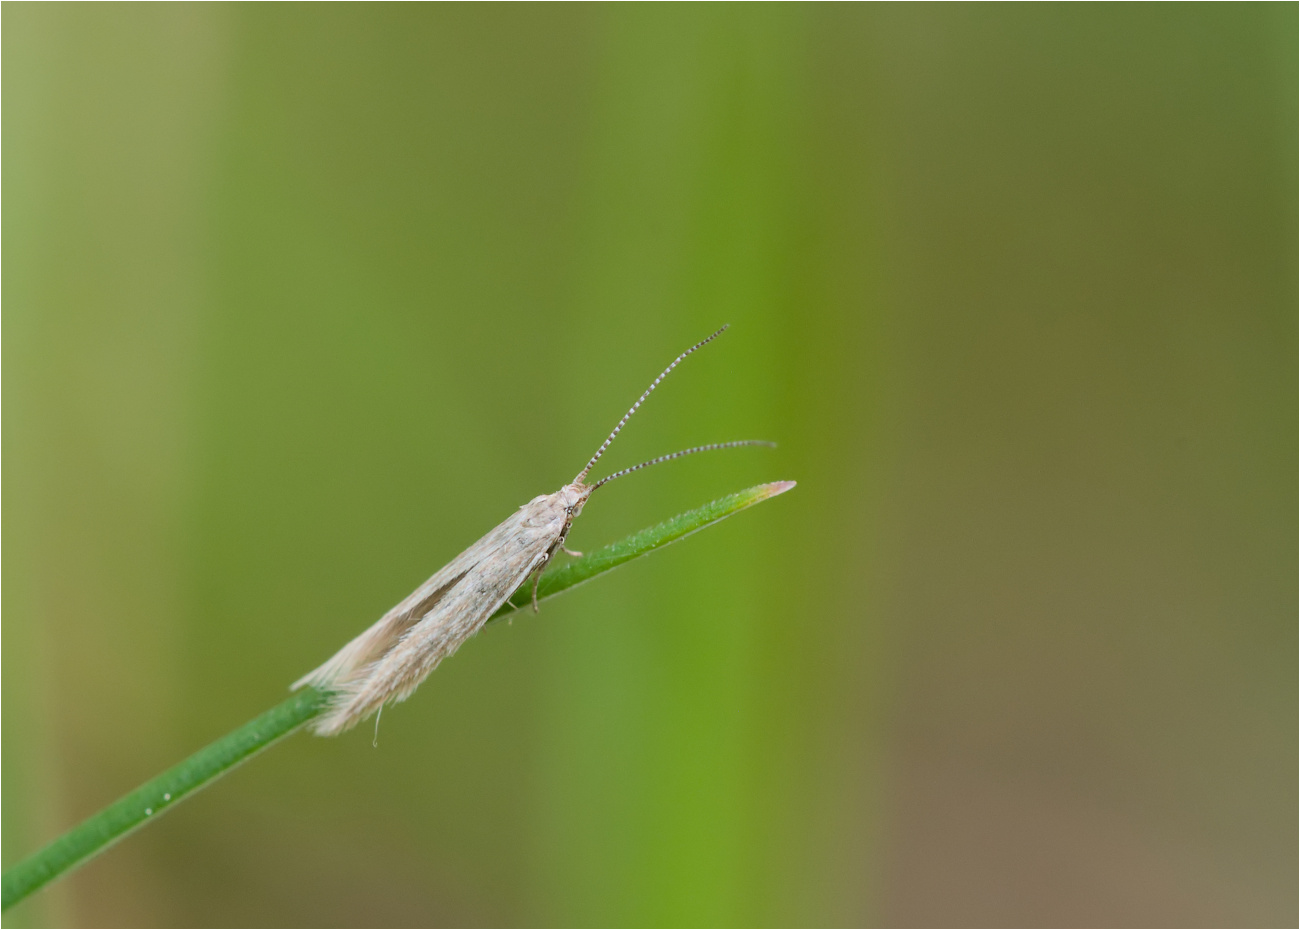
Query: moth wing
388,629
456,616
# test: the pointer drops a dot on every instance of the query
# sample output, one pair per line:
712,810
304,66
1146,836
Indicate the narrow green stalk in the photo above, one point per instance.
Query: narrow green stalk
151,799
646,541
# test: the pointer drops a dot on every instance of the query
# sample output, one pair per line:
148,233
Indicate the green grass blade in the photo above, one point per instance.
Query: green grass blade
159,795
583,569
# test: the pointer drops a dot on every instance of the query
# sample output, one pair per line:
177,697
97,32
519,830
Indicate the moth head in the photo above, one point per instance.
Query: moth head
573,496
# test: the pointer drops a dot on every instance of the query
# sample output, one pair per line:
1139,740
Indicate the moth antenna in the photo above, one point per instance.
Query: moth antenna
627,416
676,455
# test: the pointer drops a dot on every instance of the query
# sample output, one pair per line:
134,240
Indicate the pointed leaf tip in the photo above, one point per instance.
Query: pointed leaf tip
638,544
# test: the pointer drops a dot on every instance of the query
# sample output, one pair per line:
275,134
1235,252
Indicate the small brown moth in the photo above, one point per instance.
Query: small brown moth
387,662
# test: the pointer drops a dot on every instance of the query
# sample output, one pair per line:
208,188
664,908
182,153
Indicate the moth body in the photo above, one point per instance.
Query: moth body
388,661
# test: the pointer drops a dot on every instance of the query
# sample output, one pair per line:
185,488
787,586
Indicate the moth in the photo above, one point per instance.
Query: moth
387,662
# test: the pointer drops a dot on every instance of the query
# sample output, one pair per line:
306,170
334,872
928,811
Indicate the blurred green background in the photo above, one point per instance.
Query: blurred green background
301,300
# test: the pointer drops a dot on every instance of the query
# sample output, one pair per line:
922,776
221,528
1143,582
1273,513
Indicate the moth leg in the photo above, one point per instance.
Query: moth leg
537,577
572,552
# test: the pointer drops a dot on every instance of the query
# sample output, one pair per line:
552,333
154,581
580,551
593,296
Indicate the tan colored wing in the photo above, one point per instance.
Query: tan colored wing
381,635
388,661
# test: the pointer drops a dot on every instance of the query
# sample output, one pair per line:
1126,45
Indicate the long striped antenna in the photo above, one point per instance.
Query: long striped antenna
676,455
627,416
